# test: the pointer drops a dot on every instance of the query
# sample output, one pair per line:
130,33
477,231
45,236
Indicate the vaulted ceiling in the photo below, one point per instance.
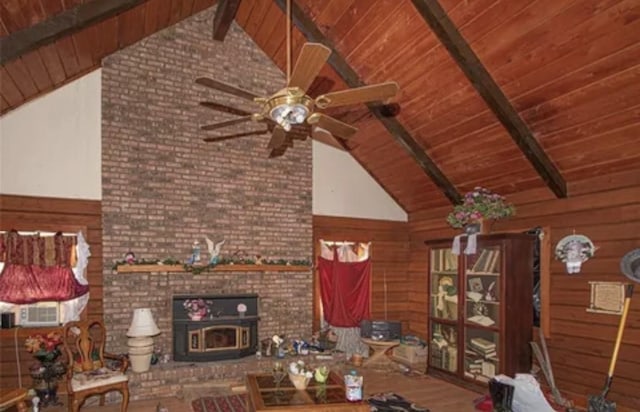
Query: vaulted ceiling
509,94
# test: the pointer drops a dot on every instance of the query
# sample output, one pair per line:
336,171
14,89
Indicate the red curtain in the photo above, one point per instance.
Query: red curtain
38,269
345,290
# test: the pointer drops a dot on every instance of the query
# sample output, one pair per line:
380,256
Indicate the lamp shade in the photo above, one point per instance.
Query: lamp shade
142,324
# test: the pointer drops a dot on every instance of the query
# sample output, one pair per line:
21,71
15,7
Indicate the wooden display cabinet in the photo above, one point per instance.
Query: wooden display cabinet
481,308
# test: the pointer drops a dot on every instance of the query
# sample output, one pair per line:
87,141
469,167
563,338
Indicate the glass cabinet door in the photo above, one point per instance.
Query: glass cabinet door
444,284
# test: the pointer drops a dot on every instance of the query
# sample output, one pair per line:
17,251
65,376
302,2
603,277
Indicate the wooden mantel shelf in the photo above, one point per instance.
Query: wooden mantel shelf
219,268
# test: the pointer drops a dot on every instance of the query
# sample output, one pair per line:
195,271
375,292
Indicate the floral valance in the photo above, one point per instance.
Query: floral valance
34,249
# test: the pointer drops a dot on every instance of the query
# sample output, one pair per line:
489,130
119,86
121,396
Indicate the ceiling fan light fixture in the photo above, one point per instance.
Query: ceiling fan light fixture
288,114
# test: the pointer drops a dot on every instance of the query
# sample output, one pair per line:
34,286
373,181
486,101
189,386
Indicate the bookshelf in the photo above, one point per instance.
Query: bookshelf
481,311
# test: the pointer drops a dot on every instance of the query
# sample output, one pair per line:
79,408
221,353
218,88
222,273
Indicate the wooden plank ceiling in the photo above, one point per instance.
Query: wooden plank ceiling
570,70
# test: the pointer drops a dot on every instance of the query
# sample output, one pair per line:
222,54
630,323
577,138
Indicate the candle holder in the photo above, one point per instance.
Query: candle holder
278,374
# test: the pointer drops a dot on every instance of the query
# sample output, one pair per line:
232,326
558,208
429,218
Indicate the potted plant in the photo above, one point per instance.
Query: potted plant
478,206
46,372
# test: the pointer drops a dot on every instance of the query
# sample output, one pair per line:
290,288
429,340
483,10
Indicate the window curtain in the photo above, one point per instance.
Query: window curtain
37,268
345,273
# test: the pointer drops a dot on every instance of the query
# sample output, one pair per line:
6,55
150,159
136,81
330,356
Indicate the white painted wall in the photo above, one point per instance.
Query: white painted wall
341,187
51,146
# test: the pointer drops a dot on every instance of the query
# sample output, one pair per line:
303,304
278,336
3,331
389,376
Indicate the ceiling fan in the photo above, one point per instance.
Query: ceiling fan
290,114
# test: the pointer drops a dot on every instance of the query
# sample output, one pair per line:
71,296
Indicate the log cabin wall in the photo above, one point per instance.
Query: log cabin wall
50,214
389,254
606,209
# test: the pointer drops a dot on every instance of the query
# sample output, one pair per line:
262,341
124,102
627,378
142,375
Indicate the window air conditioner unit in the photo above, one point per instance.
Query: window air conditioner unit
39,314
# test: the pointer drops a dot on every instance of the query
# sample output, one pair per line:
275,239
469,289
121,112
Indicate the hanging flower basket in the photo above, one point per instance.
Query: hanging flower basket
480,207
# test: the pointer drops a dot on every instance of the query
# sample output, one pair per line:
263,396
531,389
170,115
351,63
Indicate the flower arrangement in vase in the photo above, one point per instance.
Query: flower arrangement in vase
48,369
300,374
479,205
196,308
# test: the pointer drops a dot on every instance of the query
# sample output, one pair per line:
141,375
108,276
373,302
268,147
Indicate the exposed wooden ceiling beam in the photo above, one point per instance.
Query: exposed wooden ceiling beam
450,37
351,78
63,24
225,13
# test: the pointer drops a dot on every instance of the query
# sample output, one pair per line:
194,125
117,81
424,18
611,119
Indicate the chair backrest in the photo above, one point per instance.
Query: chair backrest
84,342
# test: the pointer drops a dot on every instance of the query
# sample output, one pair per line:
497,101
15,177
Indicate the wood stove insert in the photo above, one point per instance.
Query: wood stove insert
222,333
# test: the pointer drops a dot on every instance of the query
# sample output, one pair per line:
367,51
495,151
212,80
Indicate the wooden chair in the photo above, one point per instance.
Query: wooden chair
87,372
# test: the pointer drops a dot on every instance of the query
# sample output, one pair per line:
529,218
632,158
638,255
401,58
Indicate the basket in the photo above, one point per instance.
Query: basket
299,381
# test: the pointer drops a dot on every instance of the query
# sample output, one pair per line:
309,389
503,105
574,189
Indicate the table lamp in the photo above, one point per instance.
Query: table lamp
140,342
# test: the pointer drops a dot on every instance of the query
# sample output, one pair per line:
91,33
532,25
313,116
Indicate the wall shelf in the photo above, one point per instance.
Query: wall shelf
219,268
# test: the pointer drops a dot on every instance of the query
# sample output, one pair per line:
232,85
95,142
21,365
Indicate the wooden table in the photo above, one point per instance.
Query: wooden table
13,397
263,395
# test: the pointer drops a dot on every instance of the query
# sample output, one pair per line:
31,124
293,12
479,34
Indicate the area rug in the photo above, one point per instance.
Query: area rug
392,402
231,403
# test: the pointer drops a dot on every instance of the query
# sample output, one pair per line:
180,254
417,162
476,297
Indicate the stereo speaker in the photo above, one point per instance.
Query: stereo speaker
7,320
381,329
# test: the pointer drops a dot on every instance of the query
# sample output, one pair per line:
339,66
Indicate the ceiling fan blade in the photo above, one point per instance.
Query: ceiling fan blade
277,152
278,138
233,136
227,88
310,61
333,126
374,92
324,136
225,109
227,123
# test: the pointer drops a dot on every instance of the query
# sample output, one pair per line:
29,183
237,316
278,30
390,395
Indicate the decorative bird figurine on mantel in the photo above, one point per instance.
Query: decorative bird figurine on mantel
214,250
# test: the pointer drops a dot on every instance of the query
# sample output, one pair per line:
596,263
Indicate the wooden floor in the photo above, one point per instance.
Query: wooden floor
425,391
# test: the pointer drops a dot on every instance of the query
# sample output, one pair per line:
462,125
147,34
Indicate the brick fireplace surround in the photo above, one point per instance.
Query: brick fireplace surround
284,308
163,188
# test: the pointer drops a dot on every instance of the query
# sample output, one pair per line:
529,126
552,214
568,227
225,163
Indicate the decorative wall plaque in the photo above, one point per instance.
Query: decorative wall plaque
606,297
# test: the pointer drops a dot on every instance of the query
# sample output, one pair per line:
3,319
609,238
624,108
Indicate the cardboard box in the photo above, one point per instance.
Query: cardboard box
412,354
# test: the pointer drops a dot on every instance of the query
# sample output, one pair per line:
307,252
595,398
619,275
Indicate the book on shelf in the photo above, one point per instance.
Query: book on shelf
481,261
487,262
452,365
444,261
494,262
482,344
482,320
491,355
488,369
451,260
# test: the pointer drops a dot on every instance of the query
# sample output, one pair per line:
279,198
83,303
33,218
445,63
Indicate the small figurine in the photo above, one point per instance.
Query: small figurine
195,253
130,258
490,296
214,250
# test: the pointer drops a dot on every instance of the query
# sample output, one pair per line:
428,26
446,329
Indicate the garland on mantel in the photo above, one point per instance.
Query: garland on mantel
198,269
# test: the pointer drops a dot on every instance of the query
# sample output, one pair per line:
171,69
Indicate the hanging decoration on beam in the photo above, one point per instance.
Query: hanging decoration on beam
573,250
